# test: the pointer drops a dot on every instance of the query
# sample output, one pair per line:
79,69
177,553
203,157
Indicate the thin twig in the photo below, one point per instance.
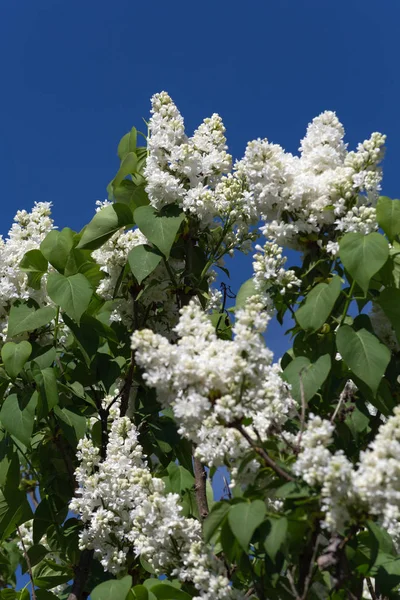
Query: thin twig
200,477
28,563
309,577
261,452
345,396
371,589
290,577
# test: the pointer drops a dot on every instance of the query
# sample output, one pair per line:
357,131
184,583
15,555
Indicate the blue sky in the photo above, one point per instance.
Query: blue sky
77,75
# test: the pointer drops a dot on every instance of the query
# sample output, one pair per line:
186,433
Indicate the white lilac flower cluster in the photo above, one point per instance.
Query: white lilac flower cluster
125,509
27,233
325,189
373,484
213,384
268,269
323,192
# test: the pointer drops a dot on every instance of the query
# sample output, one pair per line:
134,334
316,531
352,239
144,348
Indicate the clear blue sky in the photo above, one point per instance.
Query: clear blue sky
77,75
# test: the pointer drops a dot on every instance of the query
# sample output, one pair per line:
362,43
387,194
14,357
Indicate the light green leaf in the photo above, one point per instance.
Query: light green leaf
247,289
127,143
363,256
25,318
17,417
276,536
143,260
166,591
310,375
15,356
364,354
72,293
244,518
318,305
129,193
35,265
57,246
388,216
114,589
128,166
214,519
180,478
161,227
104,224
389,301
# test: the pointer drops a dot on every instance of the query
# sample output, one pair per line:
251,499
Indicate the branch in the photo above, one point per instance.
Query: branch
126,390
81,576
266,458
200,477
346,395
28,563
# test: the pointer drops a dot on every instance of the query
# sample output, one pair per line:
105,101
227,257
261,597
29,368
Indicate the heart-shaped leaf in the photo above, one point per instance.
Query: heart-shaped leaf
15,356
303,374
161,227
363,256
72,293
143,260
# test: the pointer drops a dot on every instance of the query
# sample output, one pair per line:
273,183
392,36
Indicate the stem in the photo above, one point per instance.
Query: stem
266,458
81,575
56,325
347,303
200,477
211,260
28,562
371,588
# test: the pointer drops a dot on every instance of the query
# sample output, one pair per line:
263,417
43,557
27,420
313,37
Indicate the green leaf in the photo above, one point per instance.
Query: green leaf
35,265
77,422
47,383
57,246
45,595
15,356
127,143
310,375
363,256
180,478
161,227
388,216
128,166
318,305
42,520
17,417
143,260
166,591
247,289
214,519
276,536
104,224
389,301
364,354
129,193
114,589
72,293
25,318
244,518
140,592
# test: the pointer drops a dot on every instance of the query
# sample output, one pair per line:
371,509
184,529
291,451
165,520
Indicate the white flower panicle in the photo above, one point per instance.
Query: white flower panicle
213,384
268,269
27,233
377,480
125,510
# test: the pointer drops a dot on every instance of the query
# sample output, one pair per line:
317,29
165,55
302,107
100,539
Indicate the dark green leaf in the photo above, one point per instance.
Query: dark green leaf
214,519
318,305
114,589
161,227
302,373
388,216
15,356
35,265
276,536
363,256
72,293
166,591
143,260
46,380
104,224
26,318
364,354
57,246
244,518
17,417
389,301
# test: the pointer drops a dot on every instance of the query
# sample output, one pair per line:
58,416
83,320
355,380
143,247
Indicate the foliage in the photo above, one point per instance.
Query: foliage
125,371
